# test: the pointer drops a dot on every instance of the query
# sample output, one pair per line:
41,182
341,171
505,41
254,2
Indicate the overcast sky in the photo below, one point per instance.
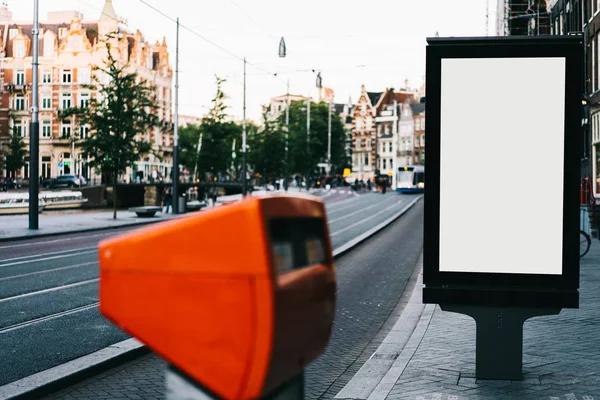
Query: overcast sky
377,43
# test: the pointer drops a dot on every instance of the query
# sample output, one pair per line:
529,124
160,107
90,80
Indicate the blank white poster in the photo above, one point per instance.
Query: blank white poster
502,162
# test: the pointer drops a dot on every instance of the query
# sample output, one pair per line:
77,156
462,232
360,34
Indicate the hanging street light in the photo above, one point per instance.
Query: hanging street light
282,50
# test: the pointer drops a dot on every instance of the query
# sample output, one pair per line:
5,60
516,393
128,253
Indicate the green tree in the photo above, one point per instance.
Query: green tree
217,136
305,153
16,153
121,113
188,145
267,149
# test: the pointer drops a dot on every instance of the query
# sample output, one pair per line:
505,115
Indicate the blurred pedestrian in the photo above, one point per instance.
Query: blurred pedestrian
168,200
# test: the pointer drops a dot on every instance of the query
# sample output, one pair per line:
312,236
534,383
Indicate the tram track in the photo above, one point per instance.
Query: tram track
53,303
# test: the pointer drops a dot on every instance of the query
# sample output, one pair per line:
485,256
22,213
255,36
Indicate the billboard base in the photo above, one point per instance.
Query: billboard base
499,338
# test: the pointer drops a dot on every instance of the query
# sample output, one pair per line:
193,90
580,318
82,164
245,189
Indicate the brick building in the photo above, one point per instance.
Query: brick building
69,48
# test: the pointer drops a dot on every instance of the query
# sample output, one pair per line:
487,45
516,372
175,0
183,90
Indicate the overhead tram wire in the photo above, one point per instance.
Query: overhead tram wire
207,40
253,20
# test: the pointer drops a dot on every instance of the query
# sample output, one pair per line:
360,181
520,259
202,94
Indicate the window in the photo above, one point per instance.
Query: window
84,100
46,77
359,123
66,76
46,103
65,128
12,33
384,163
62,32
422,124
66,100
17,127
369,123
84,76
19,102
366,159
49,46
84,131
561,23
593,64
391,163
20,78
46,129
20,49
46,166
390,147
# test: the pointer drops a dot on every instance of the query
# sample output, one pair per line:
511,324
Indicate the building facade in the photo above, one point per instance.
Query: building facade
363,135
344,112
418,113
278,104
186,120
70,47
522,18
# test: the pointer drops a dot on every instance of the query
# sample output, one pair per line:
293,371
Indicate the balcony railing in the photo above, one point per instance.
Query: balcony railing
14,88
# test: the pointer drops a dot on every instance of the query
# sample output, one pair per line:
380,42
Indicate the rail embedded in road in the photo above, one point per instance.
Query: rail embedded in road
74,280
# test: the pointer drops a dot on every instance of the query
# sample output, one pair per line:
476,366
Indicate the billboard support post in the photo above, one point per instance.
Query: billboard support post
499,338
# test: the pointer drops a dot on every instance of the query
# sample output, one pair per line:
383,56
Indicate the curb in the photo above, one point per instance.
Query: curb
103,228
56,378
354,242
377,377
53,379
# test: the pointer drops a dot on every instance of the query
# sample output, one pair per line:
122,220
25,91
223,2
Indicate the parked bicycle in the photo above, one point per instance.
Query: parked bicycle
584,243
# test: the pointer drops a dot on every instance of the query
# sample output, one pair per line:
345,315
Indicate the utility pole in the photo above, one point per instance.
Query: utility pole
329,139
34,136
287,133
176,130
308,169
244,166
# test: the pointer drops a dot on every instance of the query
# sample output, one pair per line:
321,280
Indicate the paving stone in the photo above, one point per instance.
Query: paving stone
561,353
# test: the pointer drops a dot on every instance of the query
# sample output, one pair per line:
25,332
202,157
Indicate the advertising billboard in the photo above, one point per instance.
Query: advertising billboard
503,140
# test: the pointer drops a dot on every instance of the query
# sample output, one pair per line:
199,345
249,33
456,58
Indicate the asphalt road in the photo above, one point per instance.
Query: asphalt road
49,288
371,279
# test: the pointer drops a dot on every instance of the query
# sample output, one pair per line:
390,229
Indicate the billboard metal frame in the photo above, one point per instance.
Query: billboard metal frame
505,289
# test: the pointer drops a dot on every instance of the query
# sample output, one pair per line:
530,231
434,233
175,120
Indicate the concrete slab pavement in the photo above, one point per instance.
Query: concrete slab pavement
435,358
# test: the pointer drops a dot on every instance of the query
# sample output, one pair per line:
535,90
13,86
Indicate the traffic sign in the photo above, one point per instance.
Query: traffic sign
346,172
60,164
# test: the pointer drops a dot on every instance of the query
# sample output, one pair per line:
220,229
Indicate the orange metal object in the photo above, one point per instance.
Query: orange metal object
202,291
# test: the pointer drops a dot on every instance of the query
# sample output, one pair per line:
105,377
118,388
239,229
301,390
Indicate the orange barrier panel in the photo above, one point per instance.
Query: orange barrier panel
241,298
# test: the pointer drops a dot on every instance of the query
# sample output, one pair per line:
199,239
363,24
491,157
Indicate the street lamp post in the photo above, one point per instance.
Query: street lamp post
34,146
287,134
244,149
329,139
176,131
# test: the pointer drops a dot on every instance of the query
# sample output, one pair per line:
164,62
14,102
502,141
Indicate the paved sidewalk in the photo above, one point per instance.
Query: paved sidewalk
561,355
17,226
73,221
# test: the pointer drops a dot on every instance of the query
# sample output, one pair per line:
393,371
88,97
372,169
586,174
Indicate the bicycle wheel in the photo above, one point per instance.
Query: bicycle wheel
584,243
